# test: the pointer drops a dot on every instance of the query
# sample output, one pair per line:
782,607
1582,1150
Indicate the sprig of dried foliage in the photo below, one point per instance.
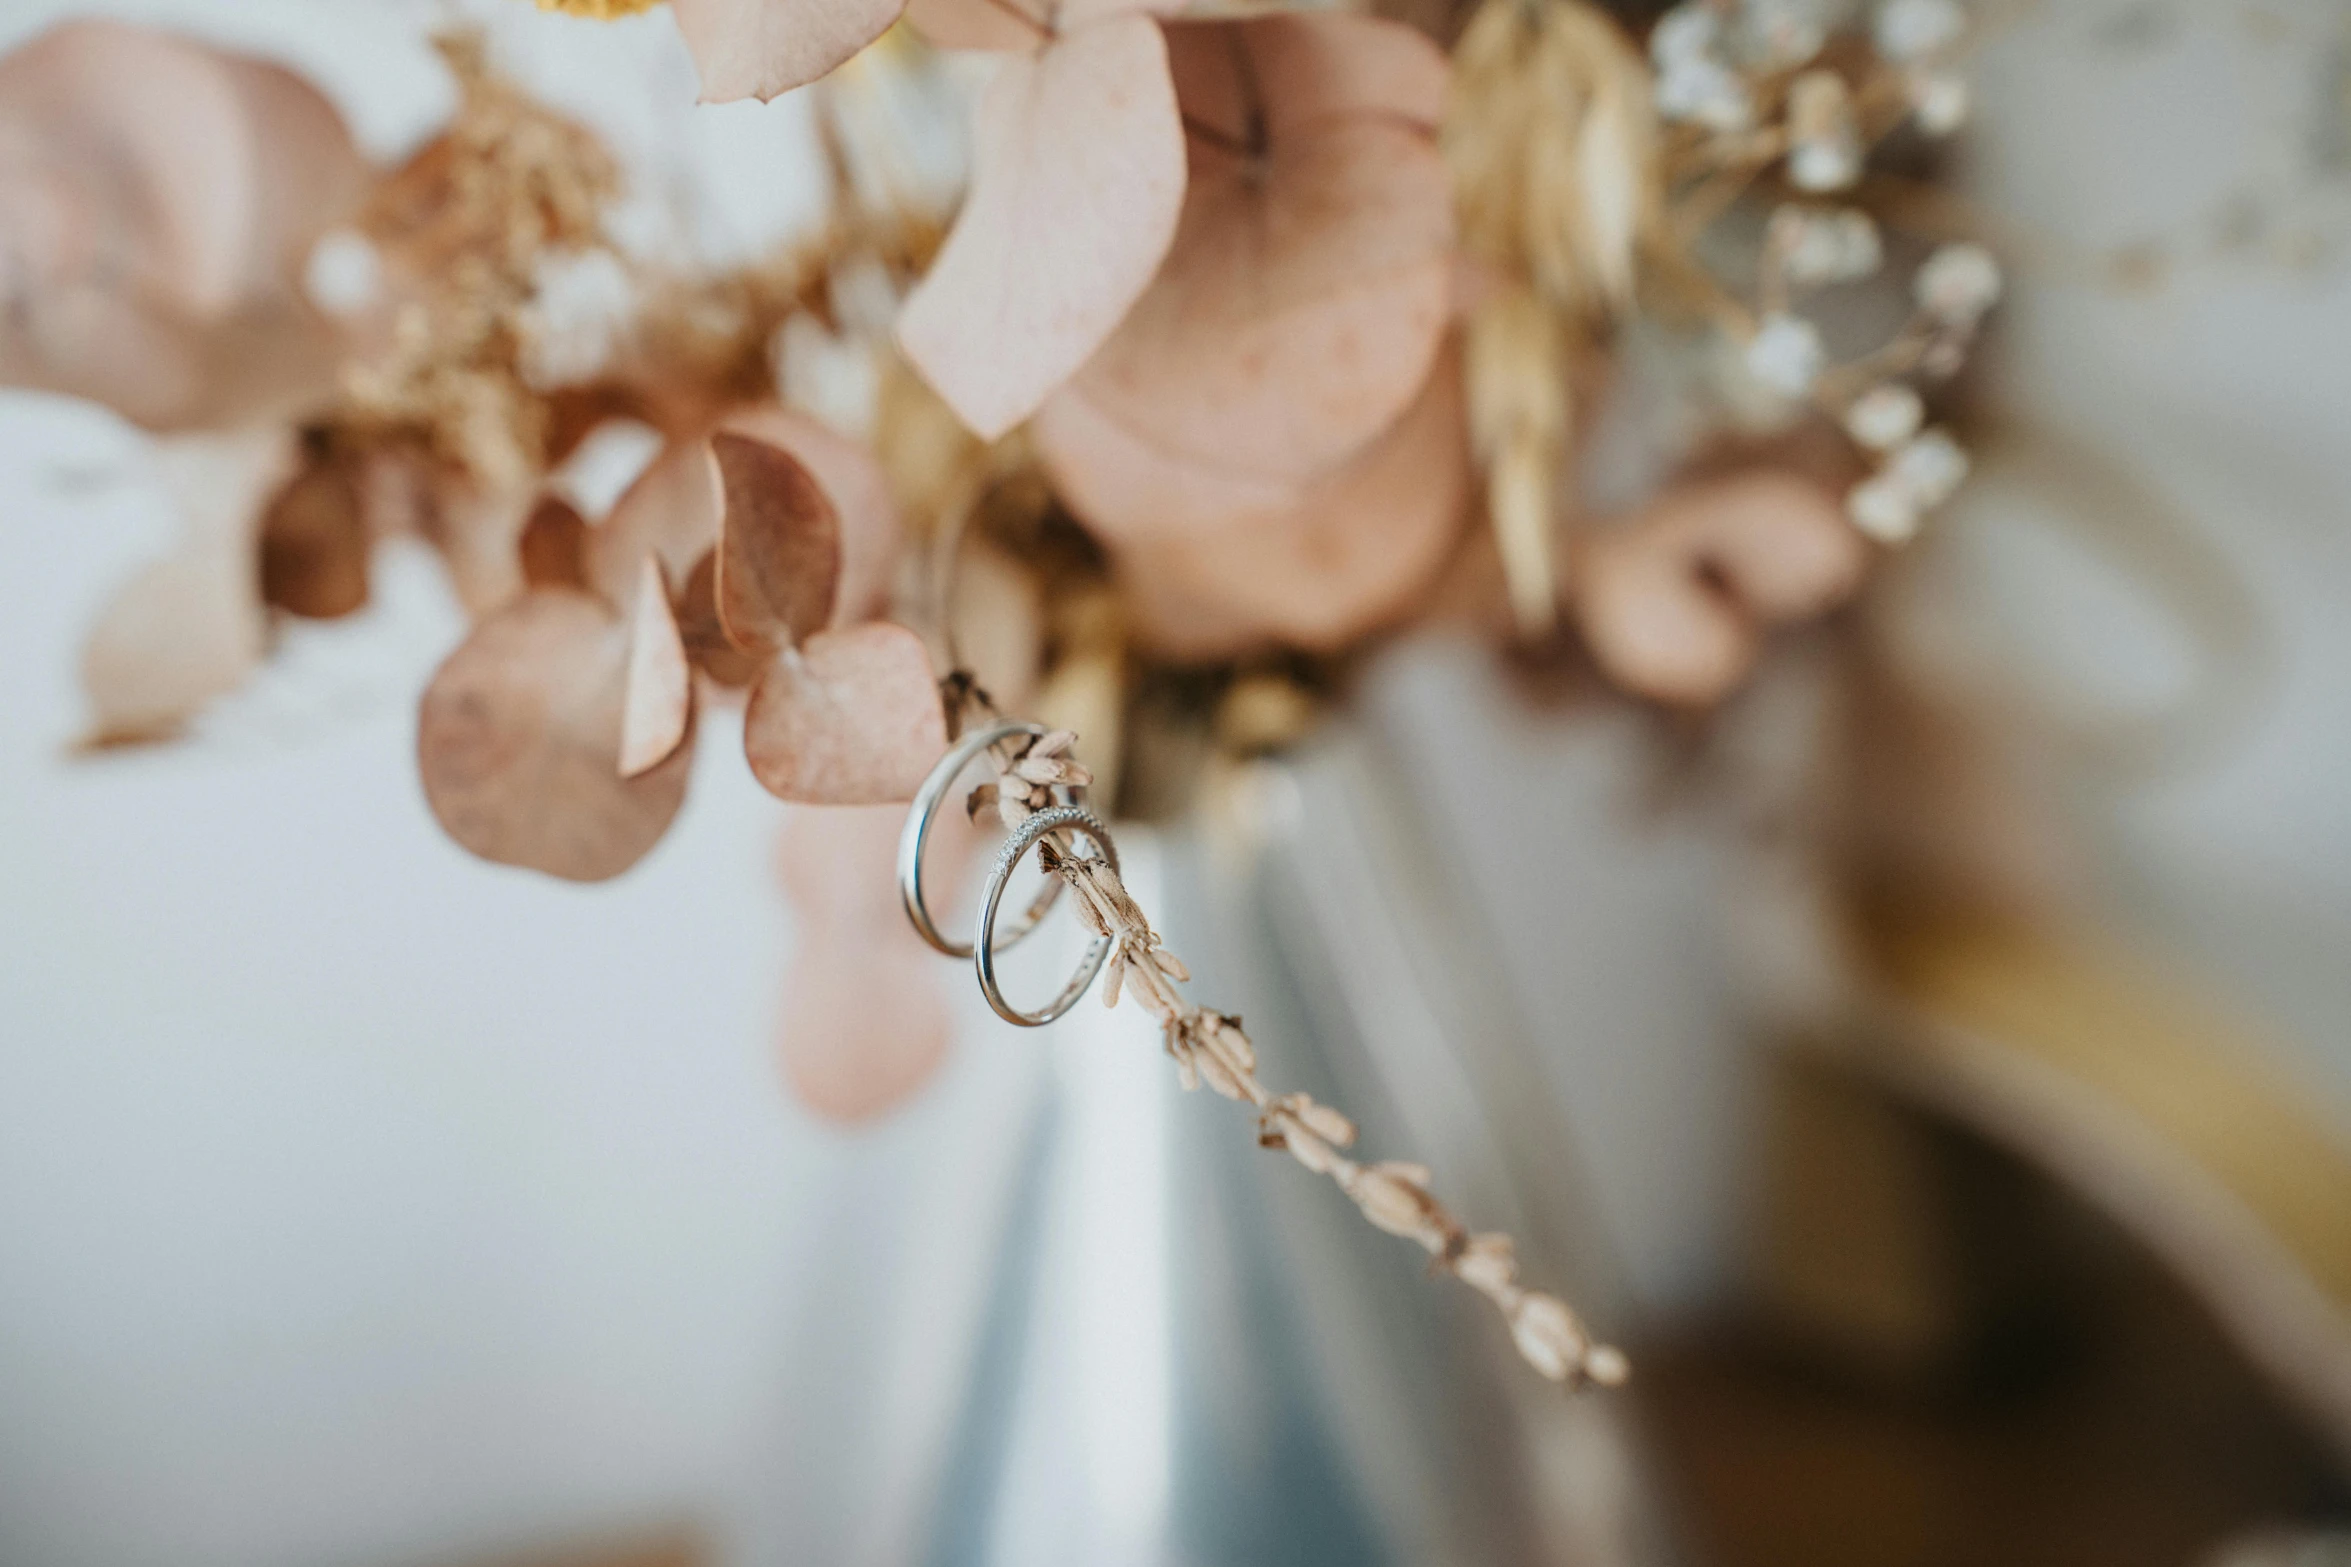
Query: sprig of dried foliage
1192,397
1211,1048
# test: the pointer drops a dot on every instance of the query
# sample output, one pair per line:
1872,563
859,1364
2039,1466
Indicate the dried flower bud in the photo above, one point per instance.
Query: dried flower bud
1488,1263
1821,245
1786,355
1310,1150
1703,92
1321,1119
980,800
345,273
1605,1366
1394,1196
1883,510
1059,743
1958,284
1687,32
1939,102
1169,964
1825,138
1931,467
1549,1336
1885,416
1907,30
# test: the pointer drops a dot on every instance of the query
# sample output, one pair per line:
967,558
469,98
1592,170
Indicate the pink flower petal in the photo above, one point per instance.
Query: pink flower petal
1078,179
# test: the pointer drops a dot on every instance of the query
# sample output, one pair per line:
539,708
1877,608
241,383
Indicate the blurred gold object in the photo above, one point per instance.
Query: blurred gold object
2174,1120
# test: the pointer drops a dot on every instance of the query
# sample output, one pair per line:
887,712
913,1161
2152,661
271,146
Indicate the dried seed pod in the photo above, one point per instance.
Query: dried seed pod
1548,1336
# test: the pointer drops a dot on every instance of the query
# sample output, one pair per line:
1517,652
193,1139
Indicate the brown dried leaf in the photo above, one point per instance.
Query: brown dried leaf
671,512
704,638
519,742
657,706
853,480
851,717
1078,178
1307,292
1213,567
760,48
554,545
315,542
779,553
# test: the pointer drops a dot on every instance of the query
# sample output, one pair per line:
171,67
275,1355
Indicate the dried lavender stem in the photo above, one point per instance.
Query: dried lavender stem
1209,1046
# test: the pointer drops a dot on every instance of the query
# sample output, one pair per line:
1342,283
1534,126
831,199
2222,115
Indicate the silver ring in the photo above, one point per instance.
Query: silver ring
1024,837
914,838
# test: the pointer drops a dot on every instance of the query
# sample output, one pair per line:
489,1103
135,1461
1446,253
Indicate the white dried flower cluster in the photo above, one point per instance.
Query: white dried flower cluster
1824,133
1210,1048
1813,247
1786,355
582,306
1919,475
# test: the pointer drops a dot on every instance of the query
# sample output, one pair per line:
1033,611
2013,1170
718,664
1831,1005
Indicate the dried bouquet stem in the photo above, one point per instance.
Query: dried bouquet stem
1210,1047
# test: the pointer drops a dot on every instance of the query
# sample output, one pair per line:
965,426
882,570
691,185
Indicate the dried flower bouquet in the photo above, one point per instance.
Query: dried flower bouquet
1243,317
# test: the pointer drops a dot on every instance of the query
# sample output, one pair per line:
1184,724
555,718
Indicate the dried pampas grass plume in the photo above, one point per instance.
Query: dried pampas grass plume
1551,138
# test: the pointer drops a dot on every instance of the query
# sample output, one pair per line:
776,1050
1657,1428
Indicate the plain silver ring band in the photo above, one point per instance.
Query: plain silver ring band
1024,837
914,839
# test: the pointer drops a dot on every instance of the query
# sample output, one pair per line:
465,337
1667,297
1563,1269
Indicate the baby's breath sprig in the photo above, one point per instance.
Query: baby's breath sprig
1210,1047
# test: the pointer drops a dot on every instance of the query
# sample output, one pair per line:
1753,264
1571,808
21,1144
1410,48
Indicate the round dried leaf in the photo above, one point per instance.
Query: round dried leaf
1674,602
1308,290
159,196
554,545
657,706
1212,568
779,552
860,492
519,743
670,512
760,48
978,24
1078,177
851,717
315,543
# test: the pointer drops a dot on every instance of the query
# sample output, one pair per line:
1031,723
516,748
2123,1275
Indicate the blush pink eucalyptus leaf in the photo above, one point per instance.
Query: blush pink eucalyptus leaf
519,742
860,496
979,24
865,1022
851,717
1675,602
670,514
844,716
657,704
1310,284
1219,572
761,48
1078,179
160,198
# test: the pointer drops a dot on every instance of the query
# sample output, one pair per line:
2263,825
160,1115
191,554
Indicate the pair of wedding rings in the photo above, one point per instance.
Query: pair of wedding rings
1069,815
